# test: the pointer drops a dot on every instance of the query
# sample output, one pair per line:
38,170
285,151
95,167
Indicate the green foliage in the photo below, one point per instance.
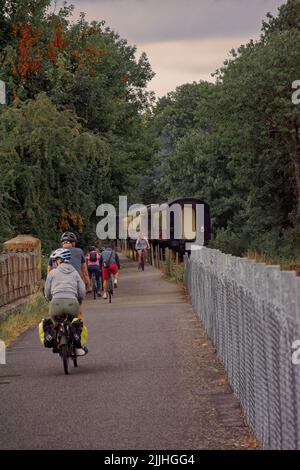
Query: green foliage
73,134
51,160
236,143
16,324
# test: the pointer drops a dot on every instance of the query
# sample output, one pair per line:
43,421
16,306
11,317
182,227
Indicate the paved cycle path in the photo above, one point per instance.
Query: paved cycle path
151,380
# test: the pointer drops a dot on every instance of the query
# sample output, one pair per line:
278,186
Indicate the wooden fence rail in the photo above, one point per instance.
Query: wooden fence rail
19,276
20,272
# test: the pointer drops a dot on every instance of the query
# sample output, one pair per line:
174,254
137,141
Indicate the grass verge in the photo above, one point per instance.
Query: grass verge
174,272
16,324
285,265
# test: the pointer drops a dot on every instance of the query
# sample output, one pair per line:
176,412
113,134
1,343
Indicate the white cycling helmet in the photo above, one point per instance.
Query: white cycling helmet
62,253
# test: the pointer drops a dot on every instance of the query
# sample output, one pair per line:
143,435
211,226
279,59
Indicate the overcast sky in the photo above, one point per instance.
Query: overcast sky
185,40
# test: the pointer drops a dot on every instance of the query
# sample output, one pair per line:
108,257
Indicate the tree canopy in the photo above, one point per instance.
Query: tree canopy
236,142
81,128
71,133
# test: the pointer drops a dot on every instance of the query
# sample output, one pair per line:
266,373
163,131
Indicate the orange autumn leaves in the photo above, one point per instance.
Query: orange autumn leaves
32,52
28,63
68,219
58,43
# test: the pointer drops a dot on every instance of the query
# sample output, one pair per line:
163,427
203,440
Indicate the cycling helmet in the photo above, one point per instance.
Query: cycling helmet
61,253
68,237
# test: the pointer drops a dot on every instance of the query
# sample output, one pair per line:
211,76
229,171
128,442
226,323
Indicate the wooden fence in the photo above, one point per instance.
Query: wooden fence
19,276
20,272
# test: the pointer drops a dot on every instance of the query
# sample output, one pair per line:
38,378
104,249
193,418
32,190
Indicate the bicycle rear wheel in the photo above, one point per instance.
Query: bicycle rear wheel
65,357
143,262
94,286
110,288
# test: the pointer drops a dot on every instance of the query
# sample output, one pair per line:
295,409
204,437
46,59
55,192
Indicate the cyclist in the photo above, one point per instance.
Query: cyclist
68,240
141,246
93,264
64,287
109,261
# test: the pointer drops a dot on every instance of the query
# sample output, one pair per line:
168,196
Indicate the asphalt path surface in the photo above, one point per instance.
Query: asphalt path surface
151,380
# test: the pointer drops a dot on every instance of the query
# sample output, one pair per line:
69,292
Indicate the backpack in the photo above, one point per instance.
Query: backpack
106,264
93,256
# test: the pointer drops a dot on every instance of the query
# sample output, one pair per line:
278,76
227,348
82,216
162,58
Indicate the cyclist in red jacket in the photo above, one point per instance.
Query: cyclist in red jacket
110,262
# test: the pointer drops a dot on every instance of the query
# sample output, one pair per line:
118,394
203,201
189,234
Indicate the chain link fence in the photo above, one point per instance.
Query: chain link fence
251,311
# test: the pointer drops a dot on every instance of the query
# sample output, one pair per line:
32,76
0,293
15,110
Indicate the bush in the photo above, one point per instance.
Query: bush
282,247
229,242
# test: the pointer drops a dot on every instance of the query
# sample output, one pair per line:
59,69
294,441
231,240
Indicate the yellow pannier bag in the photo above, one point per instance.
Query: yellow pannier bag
84,335
46,333
41,332
84,332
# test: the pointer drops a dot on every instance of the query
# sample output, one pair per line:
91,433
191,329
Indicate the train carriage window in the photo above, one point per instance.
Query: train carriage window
172,225
189,222
154,223
164,223
175,222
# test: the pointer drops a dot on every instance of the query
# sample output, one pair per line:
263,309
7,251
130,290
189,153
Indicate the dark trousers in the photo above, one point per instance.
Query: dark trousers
95,269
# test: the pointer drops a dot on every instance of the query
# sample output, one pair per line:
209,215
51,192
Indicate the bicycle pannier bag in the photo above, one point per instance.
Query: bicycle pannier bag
46,333
79,333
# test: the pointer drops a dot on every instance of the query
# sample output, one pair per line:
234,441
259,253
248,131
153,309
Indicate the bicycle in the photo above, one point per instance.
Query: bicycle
64,342
110,286
94,286
142,257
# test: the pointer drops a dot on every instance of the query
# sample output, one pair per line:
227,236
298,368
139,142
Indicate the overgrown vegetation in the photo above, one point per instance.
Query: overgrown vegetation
16,324
80,129
173,269
286,265
73,133
236,143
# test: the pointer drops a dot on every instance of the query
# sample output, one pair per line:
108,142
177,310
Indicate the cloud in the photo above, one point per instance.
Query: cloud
178,62
185,40
165,20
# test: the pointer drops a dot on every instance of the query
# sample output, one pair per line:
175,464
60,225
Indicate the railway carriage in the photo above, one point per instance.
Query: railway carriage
173,225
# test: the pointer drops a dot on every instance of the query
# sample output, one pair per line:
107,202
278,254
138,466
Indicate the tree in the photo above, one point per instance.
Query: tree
237,142
76,98
50,165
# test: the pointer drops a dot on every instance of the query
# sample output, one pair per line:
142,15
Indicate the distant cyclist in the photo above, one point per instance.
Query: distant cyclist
93,264
141,246
109,262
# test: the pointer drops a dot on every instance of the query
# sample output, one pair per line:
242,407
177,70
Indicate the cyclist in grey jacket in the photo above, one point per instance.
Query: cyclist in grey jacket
141,243
64,286
141,246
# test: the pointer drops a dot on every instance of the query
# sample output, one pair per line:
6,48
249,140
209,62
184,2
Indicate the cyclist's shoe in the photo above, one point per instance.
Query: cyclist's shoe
55,350
104,295
115,284
81,351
